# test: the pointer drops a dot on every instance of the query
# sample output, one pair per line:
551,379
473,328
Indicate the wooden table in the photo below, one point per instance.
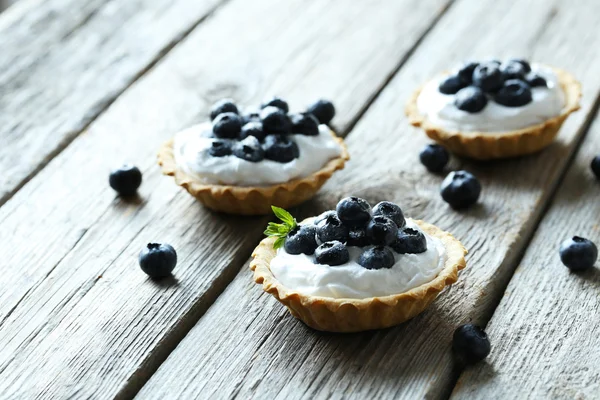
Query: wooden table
86,85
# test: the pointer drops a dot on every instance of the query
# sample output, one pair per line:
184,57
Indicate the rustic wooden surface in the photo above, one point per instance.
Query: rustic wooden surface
545,331
72,244
247,345
77,317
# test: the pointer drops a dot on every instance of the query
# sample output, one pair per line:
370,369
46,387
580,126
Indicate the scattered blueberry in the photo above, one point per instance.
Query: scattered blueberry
220,148
331,228
578,253
323,216
280,148
381,230
390,210
353,211
332,253
249,149
276,102
409,241
275,120
460,189
323,110
434,157
227,125
452,84
125,180
470,99
223,106
305,124
470,343
158,260
465,73
253,128
377,258
301,240
357,237
596,166
488,77
513,70
535,80
514,93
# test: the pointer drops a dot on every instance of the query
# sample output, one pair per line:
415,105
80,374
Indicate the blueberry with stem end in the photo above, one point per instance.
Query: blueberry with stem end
323,110
470,344
157,260
275,120
381,230
409,241
514,93
377,257
353,211
125,180
223,106
434,157
357,237
301,240
332,253
227,125
220,148
460,189
281,148
391,211
578,253
331,228
470,99
304,124
249,149
252,128
487,77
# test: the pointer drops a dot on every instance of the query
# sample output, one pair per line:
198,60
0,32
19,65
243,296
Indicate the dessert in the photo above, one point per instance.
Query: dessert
356,268
578,253
489,109
244,162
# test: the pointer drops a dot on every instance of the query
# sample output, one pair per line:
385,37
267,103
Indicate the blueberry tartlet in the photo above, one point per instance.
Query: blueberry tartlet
492,109
356,268
244,162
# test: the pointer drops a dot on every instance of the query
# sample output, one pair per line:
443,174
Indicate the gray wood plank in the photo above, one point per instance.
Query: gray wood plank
545,332
248,346
64,61
99,326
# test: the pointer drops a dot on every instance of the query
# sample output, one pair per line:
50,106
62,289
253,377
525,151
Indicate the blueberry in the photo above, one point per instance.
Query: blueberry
470,343
513,70
253,128
578,253
280,148
332,253
305,124
596,166
223,106
353,211
227,125
357,237
434,157
451,85
381,230
488,77
323,216
514,93
460,189
276,102
390,210
535,80
409,241
331,228
301,240
249,149
158,260
377,257
470,99
323,110
125,180
251,115
524,64
220,148
465,73
275,120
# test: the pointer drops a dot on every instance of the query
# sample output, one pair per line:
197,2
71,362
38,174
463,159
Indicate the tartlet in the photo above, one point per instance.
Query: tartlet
485,145
359,314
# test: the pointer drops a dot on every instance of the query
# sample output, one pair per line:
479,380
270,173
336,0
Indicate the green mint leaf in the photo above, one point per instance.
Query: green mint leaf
279,242
285,216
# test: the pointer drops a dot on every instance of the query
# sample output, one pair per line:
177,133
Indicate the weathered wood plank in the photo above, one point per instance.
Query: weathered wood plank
545,332
64,61
99,326
248,346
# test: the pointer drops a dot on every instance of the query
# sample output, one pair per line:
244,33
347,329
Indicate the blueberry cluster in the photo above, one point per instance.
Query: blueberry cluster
508,84
378,230
265,133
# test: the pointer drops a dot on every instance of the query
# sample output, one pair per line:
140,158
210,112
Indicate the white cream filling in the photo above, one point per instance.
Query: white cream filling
440,110
191,155
301,274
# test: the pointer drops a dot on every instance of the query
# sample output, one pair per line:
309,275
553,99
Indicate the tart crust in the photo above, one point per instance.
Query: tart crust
354,315
493,145
251,200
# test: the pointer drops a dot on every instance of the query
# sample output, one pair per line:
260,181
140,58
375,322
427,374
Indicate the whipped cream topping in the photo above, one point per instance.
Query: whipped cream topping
191,155
440,110
301,274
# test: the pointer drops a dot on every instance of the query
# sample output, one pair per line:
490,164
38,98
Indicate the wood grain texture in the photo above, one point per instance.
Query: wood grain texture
77,317
545,333
248,346
64,61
